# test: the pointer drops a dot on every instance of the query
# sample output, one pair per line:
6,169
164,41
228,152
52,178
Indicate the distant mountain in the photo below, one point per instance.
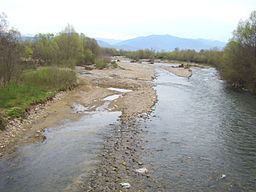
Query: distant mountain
27,37
165,43
108,41
104,44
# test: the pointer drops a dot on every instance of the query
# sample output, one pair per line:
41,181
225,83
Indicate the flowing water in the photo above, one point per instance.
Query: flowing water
68,152
200,137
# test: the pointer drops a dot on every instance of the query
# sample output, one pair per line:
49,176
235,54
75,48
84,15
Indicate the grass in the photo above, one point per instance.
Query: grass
16,98
50,78
35,86
2,122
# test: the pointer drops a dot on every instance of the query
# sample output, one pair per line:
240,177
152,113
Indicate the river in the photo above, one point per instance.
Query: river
200,137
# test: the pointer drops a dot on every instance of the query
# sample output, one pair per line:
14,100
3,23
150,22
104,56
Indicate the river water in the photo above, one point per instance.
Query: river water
68,153
200,137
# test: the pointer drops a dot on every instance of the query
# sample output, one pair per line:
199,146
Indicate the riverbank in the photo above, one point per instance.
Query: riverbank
179,71
90,93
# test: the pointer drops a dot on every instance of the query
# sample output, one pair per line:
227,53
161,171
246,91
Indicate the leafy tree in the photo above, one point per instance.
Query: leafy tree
239,61
69,46
10,52
44,49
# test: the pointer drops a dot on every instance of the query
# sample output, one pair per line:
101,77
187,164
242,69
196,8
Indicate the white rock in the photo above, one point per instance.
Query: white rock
125,185
142,170
223,176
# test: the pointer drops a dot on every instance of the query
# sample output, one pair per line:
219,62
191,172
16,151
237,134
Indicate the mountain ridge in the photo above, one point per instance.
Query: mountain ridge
164,43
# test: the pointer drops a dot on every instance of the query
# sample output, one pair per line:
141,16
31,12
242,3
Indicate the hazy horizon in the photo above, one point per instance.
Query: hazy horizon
124,20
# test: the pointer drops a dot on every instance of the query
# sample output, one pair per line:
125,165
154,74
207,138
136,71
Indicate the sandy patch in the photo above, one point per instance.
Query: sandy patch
92,89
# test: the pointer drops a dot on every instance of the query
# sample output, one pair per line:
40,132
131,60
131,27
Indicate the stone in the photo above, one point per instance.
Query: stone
140,163
125,185
142,170
223,176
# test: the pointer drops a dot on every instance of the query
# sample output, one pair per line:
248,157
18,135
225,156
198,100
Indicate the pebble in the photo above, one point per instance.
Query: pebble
125,185
142,170
140,163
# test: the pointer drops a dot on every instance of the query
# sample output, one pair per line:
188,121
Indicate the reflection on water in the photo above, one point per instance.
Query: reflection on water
203,136
68,152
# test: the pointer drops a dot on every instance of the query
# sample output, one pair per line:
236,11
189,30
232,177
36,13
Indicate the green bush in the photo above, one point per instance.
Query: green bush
114,64
101,63
50,78
35,86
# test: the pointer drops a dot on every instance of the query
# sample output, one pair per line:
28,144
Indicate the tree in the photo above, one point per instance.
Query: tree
69,45
239,60
45,49
10,51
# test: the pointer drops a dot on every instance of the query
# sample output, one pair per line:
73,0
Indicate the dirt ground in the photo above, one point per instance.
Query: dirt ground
90,93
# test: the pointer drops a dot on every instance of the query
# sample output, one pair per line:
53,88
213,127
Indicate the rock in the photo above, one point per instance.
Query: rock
125,185
223,176
142,170
140,163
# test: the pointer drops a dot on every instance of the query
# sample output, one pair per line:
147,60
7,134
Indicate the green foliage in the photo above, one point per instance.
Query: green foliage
239,60
87,58
36,86
44,49
33,71
101,63
10,52
107,52
66,49
210,57
114,64
15,112
50,78
16,98
140,54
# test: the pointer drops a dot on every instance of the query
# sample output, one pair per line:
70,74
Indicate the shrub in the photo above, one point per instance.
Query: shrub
101,63
114,64
35,86
50,78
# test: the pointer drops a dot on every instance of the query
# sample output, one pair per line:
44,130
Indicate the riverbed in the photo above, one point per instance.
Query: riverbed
201,136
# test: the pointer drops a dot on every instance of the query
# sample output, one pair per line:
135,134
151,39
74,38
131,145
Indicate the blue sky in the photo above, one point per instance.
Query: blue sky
122,19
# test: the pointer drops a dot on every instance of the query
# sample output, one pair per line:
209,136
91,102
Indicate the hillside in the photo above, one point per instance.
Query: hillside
164,42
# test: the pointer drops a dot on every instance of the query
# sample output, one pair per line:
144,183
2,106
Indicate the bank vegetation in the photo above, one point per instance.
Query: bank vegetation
33,70
236,62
